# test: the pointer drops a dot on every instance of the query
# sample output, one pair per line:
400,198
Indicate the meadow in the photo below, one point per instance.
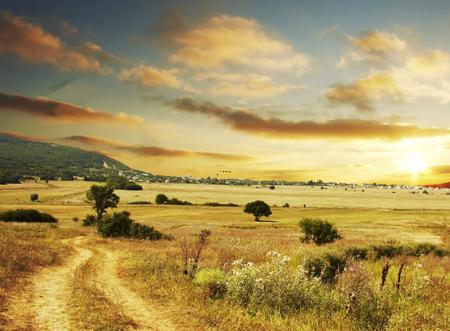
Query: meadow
149,273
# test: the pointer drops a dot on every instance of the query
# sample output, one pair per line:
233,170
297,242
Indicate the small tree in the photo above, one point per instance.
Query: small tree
102,197
34,197
161,199
258,208
318,231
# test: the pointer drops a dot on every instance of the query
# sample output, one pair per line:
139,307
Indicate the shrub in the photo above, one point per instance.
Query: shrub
140,231
258,208
388,250
27,216
213,280
218,204
191,252
34,197
286,205
121,225
117,225
318,231
326,267
275,287
175,201
357,253
161,199
90,220
131,186
272,187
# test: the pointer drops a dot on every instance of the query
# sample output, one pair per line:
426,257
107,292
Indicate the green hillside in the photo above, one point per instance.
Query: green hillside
49,161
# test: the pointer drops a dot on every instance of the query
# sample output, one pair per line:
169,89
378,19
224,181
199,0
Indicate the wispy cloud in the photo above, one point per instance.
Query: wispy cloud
61,111
249,122
153,151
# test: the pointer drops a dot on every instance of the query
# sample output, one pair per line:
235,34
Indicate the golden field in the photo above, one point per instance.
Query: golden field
121,274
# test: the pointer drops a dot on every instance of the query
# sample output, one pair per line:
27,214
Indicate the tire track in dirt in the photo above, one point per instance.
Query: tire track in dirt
43,303
144,314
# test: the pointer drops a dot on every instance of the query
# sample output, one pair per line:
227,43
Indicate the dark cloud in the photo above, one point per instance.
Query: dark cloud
153,150
60,111
249,122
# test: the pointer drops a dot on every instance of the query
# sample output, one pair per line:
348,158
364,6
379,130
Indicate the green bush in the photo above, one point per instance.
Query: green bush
34,197
326,267
161,199
90,220
213,280
275,287
318,231
218,204
27,216
121,225
357,253
117,225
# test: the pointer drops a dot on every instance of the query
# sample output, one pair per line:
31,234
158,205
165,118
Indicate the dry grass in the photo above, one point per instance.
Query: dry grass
154,269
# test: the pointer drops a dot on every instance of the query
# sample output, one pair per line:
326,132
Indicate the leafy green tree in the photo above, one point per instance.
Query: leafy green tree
161,199
102,197
318,231
34,197
258,208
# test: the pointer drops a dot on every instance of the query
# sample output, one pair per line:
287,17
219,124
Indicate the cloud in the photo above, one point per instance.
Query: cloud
440,170
249,122
378,42
61,111
153,150
433,63
68,28
20,136
145,75
34,45
363,92
232,40
250,86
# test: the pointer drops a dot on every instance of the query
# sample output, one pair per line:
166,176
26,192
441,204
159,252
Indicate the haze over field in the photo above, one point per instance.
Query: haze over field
345,91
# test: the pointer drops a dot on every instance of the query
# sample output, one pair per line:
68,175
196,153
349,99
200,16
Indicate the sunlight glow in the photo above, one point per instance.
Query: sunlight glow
415,164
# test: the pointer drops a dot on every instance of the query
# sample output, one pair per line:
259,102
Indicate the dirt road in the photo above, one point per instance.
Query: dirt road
44,302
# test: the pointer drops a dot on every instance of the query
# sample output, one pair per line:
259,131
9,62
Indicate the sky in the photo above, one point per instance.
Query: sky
345,91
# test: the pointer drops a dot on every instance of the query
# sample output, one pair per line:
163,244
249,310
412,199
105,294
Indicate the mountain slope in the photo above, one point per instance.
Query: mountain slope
443,185
19,157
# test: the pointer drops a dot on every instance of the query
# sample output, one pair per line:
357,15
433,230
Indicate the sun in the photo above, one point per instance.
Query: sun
415,164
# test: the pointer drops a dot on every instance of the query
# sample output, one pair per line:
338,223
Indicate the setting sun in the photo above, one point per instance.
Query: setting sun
415,164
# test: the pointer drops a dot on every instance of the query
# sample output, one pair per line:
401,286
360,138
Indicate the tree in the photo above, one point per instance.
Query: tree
34,197
161,199
318,231
258,208
102,197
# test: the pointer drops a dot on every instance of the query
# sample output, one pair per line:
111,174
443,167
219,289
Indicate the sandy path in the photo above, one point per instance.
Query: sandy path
145,315
43,303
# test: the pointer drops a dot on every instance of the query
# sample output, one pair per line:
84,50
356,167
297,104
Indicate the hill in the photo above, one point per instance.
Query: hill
20,157
443,185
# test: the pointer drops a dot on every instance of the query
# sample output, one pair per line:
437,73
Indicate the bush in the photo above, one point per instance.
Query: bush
326,267
258,208
286,205
272,187
213,280
161,199
90,220
318,231
218,204
357,253
175,201
117,225
131,186
34,197
27,216
275,287
121,225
